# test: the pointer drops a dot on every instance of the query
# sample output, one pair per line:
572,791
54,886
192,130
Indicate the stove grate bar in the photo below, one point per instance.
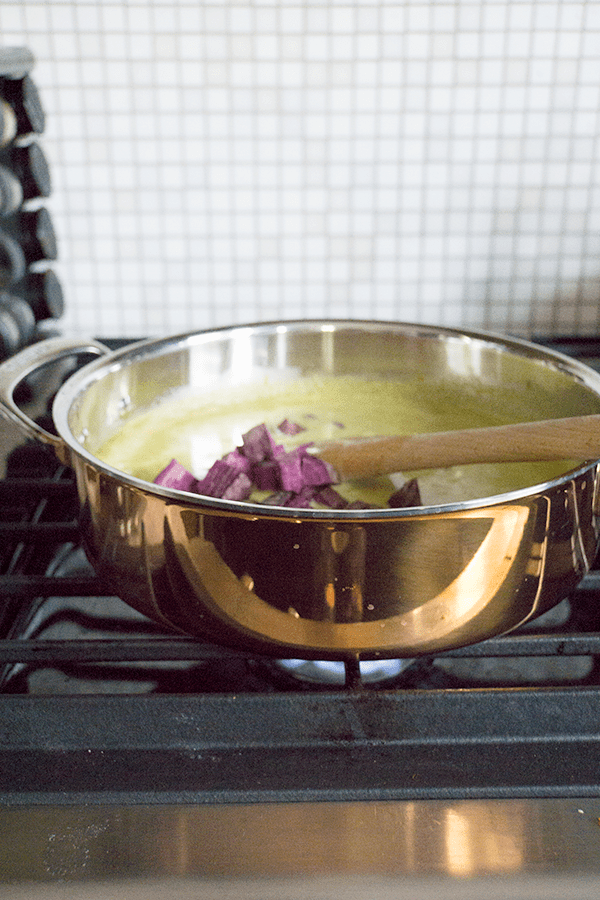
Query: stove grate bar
75,650
45,652
272,747
32,531
50,586
41,488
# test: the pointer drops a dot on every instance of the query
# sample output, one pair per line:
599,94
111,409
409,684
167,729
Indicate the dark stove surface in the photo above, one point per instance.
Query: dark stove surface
97,705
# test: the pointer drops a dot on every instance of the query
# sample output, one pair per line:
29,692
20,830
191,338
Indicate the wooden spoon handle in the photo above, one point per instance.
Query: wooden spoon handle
575,438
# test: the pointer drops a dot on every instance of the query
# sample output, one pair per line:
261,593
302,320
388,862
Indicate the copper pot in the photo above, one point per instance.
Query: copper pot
323,584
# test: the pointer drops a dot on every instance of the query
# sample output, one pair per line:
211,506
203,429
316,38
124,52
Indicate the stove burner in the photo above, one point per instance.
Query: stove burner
328,672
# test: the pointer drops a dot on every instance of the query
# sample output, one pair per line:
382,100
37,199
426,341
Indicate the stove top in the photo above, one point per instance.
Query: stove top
97,704
135,761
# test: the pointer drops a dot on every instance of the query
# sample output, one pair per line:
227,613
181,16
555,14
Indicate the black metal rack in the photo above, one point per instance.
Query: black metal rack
216,726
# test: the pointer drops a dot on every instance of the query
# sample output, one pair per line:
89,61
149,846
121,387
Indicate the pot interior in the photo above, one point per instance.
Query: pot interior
142,400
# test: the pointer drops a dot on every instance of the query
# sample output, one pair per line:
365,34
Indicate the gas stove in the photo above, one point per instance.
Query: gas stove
105,721
84,675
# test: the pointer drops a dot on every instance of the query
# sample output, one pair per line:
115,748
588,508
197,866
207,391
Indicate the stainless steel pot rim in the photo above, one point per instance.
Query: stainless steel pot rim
94,370
137,349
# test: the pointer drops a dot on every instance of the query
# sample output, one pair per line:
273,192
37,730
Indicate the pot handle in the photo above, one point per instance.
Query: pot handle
18,367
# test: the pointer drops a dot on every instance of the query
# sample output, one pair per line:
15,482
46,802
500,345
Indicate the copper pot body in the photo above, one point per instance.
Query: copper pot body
319,584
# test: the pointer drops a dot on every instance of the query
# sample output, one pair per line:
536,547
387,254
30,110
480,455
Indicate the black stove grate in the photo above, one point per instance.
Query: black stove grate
98,705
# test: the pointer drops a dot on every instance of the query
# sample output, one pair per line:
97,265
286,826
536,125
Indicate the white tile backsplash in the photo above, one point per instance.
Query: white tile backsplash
223,162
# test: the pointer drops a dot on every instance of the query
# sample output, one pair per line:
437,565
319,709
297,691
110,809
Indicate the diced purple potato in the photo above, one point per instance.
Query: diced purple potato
328,496
239,489
265,475
406,496
238,460
316,471
278,498
290,471
290,428
295,479
176,476
217,479
258,444
301,499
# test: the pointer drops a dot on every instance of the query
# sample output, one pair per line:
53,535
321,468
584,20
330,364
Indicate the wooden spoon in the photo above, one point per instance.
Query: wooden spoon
575,438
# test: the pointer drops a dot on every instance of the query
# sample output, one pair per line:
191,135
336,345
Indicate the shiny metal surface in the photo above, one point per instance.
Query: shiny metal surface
318,583
16,369
464,849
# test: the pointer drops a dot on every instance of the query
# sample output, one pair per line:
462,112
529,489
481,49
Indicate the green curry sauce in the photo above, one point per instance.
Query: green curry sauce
197,430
